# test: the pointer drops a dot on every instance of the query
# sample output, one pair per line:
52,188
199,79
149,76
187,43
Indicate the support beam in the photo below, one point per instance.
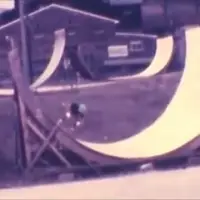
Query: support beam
25,57
22,140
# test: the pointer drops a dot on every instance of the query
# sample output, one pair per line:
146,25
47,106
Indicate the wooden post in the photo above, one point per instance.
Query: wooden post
25,44
22,139
22,136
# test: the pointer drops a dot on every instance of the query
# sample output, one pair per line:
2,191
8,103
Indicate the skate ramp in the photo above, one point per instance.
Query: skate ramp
59,47
163,55
58,50
176,127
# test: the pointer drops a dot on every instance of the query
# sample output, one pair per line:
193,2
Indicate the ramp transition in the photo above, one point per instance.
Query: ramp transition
163,55
59,47
58,50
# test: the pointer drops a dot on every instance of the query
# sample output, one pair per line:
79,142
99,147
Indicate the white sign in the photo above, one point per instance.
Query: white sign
117,51
6,5
124,2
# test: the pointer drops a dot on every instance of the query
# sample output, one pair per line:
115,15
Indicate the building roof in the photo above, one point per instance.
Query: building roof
53,17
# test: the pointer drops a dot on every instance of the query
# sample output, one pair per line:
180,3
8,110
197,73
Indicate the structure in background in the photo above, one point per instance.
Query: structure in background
150,16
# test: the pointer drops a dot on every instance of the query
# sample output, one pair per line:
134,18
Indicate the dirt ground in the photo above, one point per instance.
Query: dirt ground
176,184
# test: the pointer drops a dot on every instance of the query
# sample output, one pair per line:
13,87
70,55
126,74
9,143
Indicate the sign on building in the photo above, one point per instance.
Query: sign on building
6,5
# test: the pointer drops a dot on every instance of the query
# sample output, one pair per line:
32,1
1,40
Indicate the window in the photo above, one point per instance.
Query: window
136,46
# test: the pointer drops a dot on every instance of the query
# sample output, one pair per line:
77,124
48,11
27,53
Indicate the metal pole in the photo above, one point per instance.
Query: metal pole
24,41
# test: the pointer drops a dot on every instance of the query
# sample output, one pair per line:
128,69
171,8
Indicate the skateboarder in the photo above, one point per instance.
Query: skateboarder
76,113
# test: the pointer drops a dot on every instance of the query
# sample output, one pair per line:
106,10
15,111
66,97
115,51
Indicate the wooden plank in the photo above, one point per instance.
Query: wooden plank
24,133
45,144
54,149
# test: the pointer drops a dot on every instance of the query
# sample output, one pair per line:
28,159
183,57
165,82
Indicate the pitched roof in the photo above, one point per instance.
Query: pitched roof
54,17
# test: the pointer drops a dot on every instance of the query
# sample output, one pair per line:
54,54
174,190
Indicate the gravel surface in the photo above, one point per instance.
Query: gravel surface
177,184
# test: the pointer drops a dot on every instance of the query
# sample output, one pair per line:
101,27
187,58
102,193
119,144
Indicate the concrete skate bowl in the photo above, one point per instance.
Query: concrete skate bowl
44,61
166,135
106,108
122,103
120,109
